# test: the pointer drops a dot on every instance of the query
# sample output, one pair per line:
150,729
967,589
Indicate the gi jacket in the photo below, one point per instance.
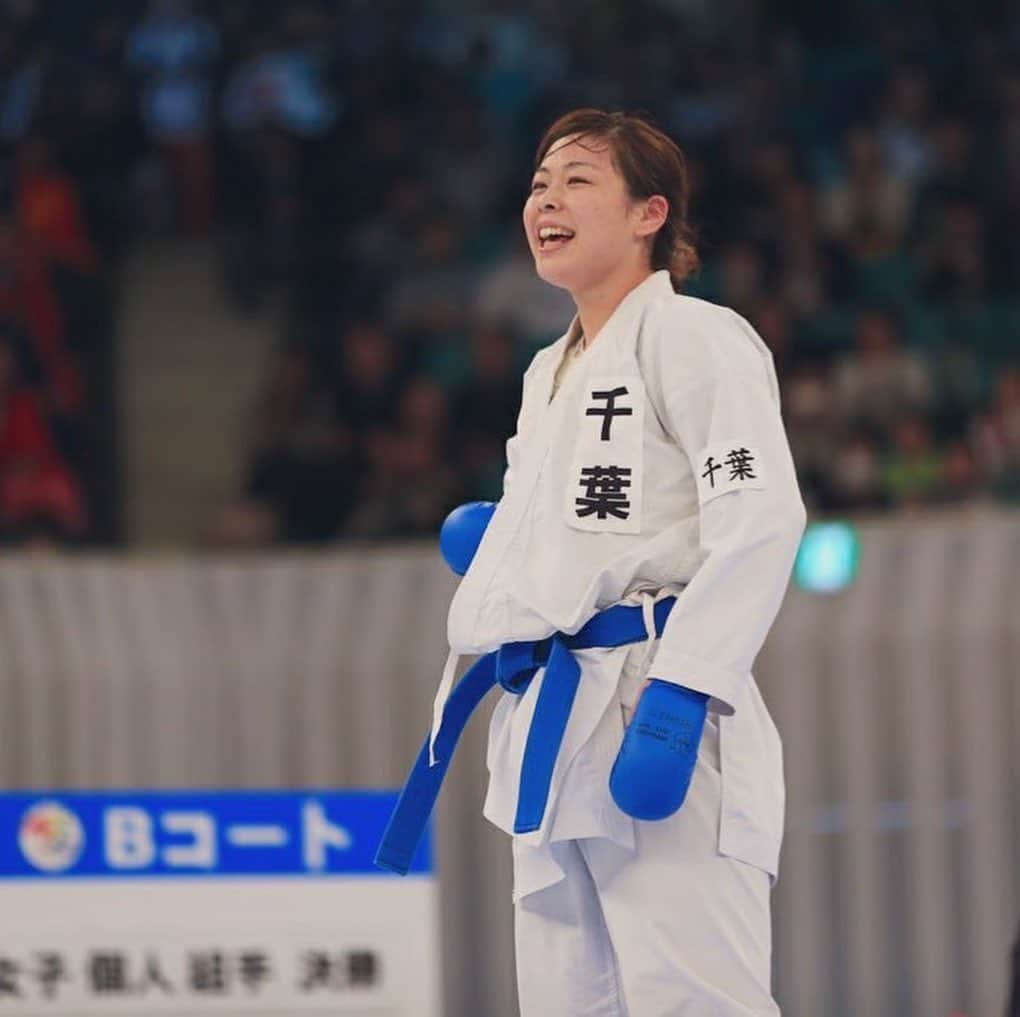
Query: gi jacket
661,466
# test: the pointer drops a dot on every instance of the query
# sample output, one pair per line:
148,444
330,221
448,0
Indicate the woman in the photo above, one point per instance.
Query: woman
650,476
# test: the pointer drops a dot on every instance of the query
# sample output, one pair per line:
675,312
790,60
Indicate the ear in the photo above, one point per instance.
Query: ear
653,213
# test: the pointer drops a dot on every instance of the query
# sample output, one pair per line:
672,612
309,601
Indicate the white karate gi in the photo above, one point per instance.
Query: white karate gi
673,914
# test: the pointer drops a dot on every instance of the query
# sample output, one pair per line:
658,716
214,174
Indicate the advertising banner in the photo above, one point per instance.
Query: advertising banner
206,903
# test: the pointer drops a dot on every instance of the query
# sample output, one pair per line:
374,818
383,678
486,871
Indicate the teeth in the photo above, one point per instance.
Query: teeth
548,232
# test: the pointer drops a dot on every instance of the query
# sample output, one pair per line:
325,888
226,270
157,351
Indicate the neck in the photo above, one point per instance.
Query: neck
596,304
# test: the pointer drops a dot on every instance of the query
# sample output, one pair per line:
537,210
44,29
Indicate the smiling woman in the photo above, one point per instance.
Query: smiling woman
620,593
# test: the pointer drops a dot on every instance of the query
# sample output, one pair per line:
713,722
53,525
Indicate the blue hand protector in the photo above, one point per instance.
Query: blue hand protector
462,531
655,764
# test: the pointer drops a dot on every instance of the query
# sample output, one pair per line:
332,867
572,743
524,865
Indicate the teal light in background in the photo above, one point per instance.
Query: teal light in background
828,558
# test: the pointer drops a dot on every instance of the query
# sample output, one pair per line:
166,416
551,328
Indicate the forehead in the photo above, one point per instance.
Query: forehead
575,148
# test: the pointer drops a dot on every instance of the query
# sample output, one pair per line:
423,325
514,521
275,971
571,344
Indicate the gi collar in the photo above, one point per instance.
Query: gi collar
657,285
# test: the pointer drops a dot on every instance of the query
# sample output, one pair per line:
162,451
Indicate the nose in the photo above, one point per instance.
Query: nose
550,199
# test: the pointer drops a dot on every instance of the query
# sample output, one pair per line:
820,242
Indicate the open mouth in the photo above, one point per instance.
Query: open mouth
553,238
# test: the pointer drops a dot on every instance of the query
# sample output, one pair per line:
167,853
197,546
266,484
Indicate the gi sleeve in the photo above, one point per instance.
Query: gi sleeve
719,400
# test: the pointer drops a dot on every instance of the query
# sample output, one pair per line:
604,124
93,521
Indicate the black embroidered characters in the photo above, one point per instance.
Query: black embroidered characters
610,410
739,460
604,490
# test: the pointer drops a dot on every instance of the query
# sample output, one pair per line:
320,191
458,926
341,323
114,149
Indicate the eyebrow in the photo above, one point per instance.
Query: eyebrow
573,162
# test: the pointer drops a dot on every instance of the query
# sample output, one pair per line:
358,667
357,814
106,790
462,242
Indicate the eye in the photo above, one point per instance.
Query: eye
536,186
578,180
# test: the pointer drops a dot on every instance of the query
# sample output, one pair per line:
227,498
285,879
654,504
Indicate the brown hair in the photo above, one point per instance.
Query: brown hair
650,162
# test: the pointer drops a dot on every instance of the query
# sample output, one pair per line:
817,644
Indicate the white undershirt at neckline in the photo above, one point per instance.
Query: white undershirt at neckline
566,364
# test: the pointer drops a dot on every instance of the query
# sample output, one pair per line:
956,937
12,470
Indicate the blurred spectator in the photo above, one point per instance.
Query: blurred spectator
953,174
511,294
413,479
486,409
369,379
813,426
106,142
1009,134
264,249
61,271
173,49
509,56
868,197
742,277
881,380
856,482
29,313
962,382
386,241
278,87
756,184
39,497
23,72
50,211
433,293
815,271
955,254
996,438
961,480
904,124
913,470
302,479
465,173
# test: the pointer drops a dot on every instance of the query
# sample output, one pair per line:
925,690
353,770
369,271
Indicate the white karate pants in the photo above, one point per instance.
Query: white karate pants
673,930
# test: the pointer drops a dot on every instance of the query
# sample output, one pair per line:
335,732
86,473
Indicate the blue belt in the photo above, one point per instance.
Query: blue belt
513,666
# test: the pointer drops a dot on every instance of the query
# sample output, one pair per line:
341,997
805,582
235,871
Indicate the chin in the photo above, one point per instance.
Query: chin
554,274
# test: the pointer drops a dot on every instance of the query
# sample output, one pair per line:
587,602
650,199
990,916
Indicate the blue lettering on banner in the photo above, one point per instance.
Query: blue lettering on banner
75,834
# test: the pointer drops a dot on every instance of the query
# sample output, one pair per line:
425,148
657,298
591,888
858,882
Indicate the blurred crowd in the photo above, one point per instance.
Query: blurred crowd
855,189
54,321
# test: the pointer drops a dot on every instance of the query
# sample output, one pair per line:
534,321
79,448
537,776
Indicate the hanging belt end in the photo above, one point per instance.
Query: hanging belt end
439,705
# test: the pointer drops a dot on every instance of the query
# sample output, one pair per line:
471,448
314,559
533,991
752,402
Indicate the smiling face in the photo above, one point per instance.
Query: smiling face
583,228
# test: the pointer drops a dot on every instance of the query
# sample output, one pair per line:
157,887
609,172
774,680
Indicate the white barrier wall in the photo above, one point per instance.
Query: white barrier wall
898,701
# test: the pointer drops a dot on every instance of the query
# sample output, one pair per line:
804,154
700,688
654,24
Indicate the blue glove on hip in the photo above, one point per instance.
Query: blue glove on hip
654,766
462,532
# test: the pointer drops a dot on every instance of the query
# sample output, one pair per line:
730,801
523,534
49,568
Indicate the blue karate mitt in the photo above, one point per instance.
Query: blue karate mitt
462,532
655,764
